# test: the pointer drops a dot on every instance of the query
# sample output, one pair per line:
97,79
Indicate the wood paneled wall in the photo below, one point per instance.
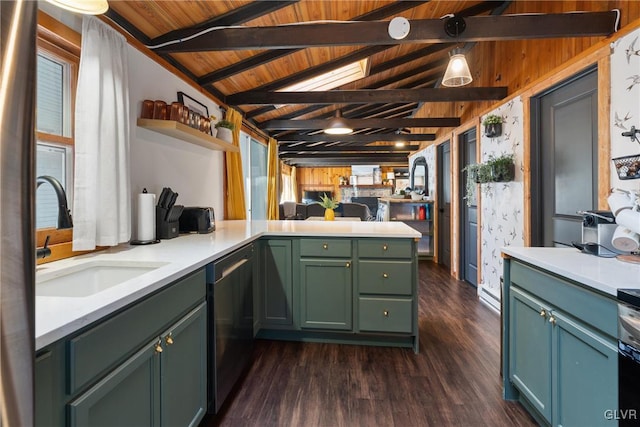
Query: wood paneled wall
325,178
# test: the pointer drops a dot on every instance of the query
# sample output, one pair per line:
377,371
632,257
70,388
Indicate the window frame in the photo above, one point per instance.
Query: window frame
61,43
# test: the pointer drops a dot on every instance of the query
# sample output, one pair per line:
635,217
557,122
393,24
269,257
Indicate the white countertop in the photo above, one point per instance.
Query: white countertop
57,317
604,274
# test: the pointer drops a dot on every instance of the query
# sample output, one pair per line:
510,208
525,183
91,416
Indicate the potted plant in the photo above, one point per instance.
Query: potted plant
492,125
225,129
329,205
470,182
502,168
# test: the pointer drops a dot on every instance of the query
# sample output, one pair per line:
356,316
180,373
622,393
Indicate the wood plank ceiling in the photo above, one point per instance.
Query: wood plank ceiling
244,52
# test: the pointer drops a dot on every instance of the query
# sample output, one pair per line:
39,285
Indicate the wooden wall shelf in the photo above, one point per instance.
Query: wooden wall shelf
186,133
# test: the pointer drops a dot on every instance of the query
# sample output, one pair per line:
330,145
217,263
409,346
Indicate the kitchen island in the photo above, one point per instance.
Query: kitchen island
144,348
559,345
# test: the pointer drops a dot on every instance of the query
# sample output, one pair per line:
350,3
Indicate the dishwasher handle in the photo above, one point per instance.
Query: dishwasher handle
230,269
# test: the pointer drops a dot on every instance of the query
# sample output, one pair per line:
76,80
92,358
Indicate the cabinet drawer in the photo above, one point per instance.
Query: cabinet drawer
384,248
95,351
598,310
325,248
385,314
385,277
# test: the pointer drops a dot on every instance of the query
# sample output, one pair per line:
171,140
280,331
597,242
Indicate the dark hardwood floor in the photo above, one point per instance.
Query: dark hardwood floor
453,381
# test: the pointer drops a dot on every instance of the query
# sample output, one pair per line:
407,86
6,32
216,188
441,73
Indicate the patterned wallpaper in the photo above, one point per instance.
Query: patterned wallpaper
625,102
502,203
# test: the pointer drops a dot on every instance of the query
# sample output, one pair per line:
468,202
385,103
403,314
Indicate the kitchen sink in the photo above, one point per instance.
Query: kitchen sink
89,278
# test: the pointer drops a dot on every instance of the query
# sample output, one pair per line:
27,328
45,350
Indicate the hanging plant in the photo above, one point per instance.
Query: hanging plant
492,125
502,169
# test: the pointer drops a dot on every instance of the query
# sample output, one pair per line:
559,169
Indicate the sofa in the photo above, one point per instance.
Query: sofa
301,211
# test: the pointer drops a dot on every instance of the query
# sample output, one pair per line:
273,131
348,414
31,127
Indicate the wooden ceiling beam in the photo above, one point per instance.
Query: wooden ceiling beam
350,148
235,16
266,57
368,96
386,156
364,138
363,123
478,28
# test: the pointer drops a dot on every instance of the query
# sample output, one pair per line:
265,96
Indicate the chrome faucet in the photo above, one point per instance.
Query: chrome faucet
64,214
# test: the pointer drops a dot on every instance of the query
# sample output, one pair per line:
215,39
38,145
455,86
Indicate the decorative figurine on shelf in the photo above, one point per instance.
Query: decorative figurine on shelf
329,205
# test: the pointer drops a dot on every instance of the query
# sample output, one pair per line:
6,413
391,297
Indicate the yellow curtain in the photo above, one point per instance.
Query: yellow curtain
272,180
235,206
294,184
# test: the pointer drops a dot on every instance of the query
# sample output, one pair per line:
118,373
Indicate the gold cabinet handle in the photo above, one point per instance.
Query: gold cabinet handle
325,246
386,313
348,265
385,247
169,339
552,320
158,346
385,275
543,312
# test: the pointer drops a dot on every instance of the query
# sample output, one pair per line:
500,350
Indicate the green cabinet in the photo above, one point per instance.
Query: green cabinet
144,365
530,338
163,384
561,359
326,294
275,283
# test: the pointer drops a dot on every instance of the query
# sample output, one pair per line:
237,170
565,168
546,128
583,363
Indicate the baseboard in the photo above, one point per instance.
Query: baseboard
489,299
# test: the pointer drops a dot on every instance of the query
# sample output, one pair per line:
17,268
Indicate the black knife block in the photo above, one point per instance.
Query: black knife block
165,229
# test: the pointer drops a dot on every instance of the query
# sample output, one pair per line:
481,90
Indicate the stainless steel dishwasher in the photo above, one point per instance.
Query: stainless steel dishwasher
230,294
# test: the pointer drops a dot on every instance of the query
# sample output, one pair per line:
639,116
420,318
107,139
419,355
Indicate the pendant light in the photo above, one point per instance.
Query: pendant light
85,7
338,126
457,72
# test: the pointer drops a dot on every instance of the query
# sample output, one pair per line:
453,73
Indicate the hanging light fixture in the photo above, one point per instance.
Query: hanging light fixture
338,126
85,7
457,72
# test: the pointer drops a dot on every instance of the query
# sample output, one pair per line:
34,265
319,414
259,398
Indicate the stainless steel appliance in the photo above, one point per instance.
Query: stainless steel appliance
598,227
230,293
197,220
17,192
628,413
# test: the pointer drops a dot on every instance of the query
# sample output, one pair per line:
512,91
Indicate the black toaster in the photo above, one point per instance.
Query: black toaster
197,220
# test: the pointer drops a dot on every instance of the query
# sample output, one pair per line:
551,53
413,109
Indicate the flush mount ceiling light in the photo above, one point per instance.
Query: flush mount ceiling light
338,126
457,73
85,7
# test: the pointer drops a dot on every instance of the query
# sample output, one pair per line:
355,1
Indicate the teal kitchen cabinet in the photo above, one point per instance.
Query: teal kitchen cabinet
275,284
387,274
163,384
326,290
530,349
562,360
145,365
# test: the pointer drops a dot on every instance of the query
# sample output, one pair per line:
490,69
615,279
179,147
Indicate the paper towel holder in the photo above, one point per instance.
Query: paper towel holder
144,242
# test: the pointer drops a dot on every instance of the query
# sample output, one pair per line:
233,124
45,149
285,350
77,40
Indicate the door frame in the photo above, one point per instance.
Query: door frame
461,203
440,201
536,237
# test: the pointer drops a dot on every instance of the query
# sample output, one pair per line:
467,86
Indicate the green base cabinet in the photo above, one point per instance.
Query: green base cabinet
561,356
163,384
142,366
326,294
275,284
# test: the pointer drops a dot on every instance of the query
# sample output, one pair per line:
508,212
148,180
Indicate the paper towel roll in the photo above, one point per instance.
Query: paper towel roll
146,216
618,202
625,239
629,219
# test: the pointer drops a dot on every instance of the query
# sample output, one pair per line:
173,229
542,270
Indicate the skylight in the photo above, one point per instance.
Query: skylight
332,79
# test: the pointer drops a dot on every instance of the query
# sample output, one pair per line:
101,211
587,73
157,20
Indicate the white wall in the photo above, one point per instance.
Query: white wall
625,102
157,161
502,203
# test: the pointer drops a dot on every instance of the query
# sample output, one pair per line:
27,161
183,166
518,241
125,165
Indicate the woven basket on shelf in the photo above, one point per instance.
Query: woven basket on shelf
628,167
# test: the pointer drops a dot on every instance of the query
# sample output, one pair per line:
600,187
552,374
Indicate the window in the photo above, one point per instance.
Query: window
254,167
57,64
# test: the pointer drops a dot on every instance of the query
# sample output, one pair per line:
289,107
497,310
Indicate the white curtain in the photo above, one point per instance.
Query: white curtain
102,202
